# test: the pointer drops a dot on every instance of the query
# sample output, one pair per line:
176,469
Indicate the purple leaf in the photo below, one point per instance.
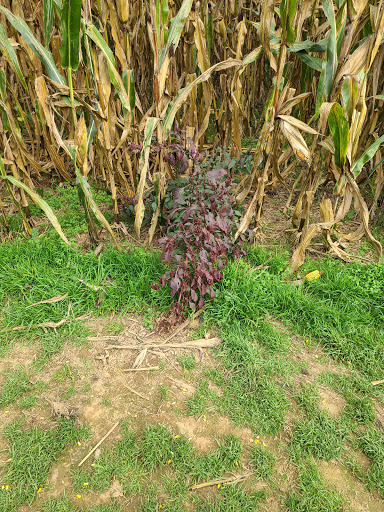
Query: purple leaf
175,284
216,174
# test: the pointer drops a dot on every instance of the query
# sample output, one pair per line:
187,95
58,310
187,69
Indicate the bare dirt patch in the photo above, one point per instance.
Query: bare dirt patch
352,489
331,401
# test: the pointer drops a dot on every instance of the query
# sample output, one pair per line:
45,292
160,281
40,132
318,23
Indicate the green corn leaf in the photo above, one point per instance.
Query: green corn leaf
92,32
331,60
339,127
150,126
128,79
10,55
321,89
366,156
38,49
48,20
309,60
37,199
287,13
85,187
175,30
70,31
308,46
350,95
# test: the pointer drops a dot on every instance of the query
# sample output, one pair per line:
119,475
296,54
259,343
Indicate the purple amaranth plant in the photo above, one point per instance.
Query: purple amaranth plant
199,238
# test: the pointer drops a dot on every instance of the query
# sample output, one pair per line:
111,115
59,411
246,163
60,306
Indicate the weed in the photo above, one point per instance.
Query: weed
198,241
187,362
164,392
106,401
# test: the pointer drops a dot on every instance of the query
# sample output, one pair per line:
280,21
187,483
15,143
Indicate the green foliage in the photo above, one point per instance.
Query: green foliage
32,453
323,437
15,385
312,495
262,462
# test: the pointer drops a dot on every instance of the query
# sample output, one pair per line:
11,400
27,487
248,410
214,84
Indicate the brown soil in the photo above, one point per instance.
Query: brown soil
351,489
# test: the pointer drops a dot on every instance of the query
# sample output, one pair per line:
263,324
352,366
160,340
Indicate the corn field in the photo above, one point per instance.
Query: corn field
83,80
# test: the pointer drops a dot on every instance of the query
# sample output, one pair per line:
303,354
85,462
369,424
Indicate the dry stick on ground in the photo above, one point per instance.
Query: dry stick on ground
141,369
181,327
99,443
135,392
219,481
50,324
202,343
377,382
182,384
49,301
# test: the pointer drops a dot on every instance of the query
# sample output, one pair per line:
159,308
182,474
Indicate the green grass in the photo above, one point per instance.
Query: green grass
371,442
232,499
256,371
159,455
64,505
35,270
343,309
262,462
313,495
31,455
15,385
320,436
253,391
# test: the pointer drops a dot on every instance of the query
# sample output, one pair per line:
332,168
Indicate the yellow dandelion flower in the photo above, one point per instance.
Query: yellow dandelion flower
78,443
257,441
169,461
85,484
218,486
236,463
78,496
176,437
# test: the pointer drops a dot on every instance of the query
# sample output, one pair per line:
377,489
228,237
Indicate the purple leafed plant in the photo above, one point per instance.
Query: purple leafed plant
199,240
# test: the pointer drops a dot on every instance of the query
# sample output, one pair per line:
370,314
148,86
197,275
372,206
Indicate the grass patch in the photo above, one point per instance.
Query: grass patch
371,442
157,454
64,505
35,270
320,436
31,455
343,310
15,385
262,462
312,495
233,498
253,385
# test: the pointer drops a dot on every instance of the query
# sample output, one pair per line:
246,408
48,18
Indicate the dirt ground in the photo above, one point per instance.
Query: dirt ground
105,385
